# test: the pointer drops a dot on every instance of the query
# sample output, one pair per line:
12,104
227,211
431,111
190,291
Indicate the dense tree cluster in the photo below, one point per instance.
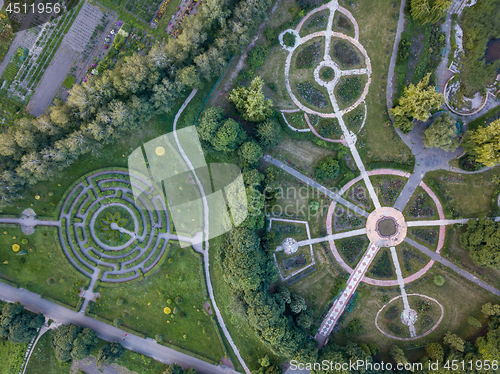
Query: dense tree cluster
484,143
250,102
429,11
442,133
416,103
121,100
73,342
482,240
18,325
109,353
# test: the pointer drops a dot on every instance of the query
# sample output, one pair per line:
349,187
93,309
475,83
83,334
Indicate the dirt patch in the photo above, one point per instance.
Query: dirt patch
208,308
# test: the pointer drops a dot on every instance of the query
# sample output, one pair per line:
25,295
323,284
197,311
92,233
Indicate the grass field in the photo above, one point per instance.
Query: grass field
44,260
43,360
138,363
141,305
469,195
377,28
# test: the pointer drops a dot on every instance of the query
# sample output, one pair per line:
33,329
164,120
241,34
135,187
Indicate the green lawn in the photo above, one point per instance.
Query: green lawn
69,81
143,303
44,260
467,195
43,360
11,356
378,141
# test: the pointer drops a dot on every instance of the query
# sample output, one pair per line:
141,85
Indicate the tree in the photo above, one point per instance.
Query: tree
442,133
398,355
251,103
482,240
269,133
73,342
250,152
490,310
18,325
297,304
435,351
210,122
189,77
416,103
454,341
174,369
429,11
228,136
485,143
109,353
328,168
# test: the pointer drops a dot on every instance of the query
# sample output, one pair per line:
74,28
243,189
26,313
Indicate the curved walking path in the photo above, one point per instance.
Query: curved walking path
206,258
147,347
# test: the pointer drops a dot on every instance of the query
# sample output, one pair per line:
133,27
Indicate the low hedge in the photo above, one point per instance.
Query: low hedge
391,165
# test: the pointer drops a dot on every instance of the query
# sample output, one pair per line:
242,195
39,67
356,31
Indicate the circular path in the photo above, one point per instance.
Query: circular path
139,250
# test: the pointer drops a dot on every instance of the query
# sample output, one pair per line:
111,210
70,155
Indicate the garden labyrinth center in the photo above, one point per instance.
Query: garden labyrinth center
249,186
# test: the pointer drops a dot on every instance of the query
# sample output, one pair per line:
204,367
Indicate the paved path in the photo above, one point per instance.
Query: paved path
401,284
437,222
316,185
437,257
327,238
148,347
206,233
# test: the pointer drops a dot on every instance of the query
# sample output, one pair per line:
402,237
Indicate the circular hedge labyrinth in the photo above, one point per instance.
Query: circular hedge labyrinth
103,227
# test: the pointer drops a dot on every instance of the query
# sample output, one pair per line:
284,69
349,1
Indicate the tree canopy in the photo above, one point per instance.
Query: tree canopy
73,342
251,102
328,168
442,133
484,143
482,240
18,325
429,11
416,103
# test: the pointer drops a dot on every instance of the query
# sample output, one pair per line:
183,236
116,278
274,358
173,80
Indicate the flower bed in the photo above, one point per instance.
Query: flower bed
427,235
312,95
358,193
309,56
383,266
318,22
421,207
295,262
409,255
388,190
392,313
351,249
343,23
349,90
345,219
355,119
345,54
328,127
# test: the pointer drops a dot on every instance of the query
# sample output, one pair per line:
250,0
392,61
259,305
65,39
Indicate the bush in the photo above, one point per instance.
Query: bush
438,280
289,39
51,281
328,168
169,301
271,35
178,300
257,56
119,302
159,338
117,322
474,322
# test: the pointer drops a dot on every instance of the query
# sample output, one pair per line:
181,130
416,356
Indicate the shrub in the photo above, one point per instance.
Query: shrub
289,39
117,322
271,35
169,301
178,300
51,281
175,310
438,280
474,322
119,302
170,260
125,314
159,338
328,168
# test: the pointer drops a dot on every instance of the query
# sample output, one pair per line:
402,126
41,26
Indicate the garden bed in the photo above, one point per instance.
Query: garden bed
328,127
388,188
308,55
359,195
382,266
312,95
411,259
349,90
343,25
345,219
317,22
346,55
421,205
354,119
351,249
296,120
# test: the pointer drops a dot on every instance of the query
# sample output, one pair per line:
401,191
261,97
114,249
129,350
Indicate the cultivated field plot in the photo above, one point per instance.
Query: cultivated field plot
143,9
